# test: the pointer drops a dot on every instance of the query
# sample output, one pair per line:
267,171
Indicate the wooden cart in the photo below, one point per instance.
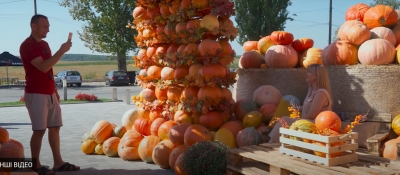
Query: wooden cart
266,159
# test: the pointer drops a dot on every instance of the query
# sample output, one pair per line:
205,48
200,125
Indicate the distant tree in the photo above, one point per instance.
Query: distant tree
256,18
394,3
105,30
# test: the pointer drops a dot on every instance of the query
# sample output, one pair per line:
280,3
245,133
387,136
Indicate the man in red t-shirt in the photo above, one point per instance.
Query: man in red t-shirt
41,96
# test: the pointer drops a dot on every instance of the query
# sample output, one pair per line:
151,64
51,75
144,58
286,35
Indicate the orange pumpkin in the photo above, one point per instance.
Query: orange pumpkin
380,15
160,30
390,149
211,120
110,146
155,125
332,155
167,73
192,49
212,70
396,32
142,125
209,22
139,13
267,111
311,56
209,47
185,4
164,129
177,132
174,93
208,93
170,29
176,153
180,27
267,94
128,147
189,93
282,37
248,136
182,116
161,93
376,52
200,4
149,94
101,131
16,142
178,169
302,44
356,12
250,45
179,52
161,153
264,44
196,133
242,107
226,48
226,93
146,148
196,117
12,150
4,135
354,31
153,12
143,113
154,71
88,146
194,70
233,126
181,72
340,53
154,114
328,120
251,59
281,56
193,24
384,33
164,10
172,53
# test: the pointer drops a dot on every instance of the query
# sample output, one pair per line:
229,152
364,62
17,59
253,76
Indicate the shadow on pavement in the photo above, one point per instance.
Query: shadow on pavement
93,171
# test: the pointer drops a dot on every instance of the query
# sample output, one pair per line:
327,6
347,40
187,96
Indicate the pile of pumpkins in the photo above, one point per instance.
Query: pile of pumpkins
279,50
11,148
391,148
369,36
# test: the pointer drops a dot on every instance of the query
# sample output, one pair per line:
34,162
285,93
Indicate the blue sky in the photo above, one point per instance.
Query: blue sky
311,21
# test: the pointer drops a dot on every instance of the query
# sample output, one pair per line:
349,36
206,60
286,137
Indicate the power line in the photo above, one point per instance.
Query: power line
311,10
11,1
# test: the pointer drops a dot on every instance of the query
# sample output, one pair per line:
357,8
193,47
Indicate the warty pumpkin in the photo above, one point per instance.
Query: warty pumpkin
146,148
380,15
376,52
162,152
356,32
128,147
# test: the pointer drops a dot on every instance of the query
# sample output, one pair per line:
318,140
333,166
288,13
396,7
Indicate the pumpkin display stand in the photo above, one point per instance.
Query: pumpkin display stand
357,88
345,153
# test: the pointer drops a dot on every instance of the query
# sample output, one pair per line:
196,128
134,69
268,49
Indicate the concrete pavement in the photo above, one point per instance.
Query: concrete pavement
78,119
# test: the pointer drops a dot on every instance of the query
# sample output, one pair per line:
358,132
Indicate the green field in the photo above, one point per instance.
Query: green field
88,69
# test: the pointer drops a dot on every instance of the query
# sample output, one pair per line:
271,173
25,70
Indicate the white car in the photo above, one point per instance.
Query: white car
72,77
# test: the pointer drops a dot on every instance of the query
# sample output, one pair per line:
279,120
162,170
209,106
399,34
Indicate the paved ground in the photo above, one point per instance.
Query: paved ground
12,94
78,119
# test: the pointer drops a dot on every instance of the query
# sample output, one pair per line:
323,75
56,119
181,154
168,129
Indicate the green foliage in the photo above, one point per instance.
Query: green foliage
257,18
394,3
204,158
105,30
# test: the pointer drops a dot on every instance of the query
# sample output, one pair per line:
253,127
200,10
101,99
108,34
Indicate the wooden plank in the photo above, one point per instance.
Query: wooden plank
374,143
250,168
390,170
387,171
378,117
375,159
370,170
266,159
278,171
324,149
289,164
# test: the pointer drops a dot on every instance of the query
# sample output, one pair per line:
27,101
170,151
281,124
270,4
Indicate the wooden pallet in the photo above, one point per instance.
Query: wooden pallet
266,159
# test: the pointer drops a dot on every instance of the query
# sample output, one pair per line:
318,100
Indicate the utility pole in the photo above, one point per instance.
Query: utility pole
35,7
330,22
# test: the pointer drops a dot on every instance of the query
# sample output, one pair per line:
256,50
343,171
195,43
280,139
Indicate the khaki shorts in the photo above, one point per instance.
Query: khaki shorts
44,111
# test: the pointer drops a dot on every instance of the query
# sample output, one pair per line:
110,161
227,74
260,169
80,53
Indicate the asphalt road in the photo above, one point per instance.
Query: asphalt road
12,94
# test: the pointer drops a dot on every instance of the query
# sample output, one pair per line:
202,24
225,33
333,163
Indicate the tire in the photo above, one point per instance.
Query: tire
79,84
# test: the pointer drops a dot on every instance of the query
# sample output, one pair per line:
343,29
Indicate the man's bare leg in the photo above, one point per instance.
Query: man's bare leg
36,145
54,140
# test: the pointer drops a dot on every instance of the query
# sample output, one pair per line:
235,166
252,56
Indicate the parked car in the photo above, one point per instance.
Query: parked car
72,77
117,77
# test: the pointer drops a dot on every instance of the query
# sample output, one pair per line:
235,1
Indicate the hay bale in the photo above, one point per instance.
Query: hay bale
354,88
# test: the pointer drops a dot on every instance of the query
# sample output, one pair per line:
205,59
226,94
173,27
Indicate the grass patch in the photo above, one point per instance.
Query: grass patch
18,103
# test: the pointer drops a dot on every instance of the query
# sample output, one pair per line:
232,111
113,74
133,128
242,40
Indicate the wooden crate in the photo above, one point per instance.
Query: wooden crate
266,159
290,147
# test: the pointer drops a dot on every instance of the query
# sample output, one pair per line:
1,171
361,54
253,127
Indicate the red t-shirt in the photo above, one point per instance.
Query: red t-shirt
36,80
